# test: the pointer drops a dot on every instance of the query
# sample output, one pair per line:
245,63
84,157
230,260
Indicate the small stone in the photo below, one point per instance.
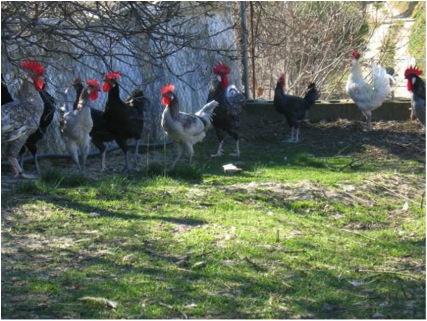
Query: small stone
378,315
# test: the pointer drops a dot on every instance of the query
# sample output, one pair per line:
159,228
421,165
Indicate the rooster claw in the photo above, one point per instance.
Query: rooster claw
27,176
219,154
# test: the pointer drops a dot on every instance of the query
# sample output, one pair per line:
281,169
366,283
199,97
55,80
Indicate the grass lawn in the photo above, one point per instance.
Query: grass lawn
329,228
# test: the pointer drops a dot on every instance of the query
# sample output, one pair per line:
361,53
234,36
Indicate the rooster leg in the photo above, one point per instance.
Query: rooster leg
17,169
127,168
220,151
291,139
101,146
137,156
74,153
297,135
21,160
368,115
124,147
104,152
36,163
190,151
178,156
237,153
84,150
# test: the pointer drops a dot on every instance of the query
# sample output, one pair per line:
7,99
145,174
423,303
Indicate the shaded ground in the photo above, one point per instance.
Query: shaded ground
333,227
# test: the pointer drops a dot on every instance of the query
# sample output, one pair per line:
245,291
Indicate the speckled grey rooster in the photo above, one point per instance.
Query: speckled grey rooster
21,117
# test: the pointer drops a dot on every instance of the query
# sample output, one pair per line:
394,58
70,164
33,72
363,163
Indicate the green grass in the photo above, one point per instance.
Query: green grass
417,45
388,47
282,239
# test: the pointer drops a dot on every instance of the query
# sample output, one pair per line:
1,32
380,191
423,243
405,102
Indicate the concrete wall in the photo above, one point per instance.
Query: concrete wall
333,110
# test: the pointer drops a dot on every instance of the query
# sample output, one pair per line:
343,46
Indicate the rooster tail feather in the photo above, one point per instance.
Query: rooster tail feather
206,112
312,94
381,85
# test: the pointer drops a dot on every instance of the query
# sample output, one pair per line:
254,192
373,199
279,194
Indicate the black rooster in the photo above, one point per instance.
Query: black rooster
294,108
417,86
123,120
226,117
46,119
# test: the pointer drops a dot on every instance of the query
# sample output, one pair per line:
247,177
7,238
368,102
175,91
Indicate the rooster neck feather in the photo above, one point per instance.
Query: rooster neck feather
78,87
224,82
114,94
174,107
356,72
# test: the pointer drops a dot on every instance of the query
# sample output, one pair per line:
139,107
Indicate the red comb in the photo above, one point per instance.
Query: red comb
221,69
112,75
355,54
33,66
411,71
167,89
93,83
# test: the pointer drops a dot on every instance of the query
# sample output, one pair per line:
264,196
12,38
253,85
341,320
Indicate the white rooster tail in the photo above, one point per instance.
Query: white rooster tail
381,85
205,113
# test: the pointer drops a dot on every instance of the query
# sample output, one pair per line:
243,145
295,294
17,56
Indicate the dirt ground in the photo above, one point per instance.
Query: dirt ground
390,139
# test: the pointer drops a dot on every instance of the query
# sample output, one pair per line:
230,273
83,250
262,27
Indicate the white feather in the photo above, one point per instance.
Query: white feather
368,96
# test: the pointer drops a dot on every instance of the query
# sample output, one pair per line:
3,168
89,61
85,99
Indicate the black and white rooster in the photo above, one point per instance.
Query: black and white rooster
226,117
184,129
417,86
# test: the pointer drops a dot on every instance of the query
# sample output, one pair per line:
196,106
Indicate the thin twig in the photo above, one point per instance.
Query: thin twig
360,234
387,272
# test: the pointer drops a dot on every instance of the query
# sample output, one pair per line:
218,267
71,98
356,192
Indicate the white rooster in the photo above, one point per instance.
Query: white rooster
367,96
184,129
77,124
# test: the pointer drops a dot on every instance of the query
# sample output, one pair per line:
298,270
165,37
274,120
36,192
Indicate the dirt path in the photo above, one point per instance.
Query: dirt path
402,57
387,17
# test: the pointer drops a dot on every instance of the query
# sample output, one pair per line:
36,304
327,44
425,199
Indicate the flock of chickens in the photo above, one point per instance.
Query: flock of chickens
26,117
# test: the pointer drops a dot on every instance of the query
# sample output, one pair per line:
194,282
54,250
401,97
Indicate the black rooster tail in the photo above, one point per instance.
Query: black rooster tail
312,94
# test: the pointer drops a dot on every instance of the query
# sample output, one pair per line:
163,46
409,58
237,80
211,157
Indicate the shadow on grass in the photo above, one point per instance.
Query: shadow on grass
227,293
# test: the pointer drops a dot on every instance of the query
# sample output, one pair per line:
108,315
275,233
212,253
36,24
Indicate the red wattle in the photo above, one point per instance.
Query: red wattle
165,101
106,87
224,82
39,84
409,85
93,95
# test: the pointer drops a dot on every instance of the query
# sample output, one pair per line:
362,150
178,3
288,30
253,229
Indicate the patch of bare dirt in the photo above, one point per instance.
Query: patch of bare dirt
407,188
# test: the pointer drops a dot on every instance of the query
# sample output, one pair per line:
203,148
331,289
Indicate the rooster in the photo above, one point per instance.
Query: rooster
123,120
21,117
226,118
77,124
99,133
184,129
49,106
367,96
417,86
294,108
